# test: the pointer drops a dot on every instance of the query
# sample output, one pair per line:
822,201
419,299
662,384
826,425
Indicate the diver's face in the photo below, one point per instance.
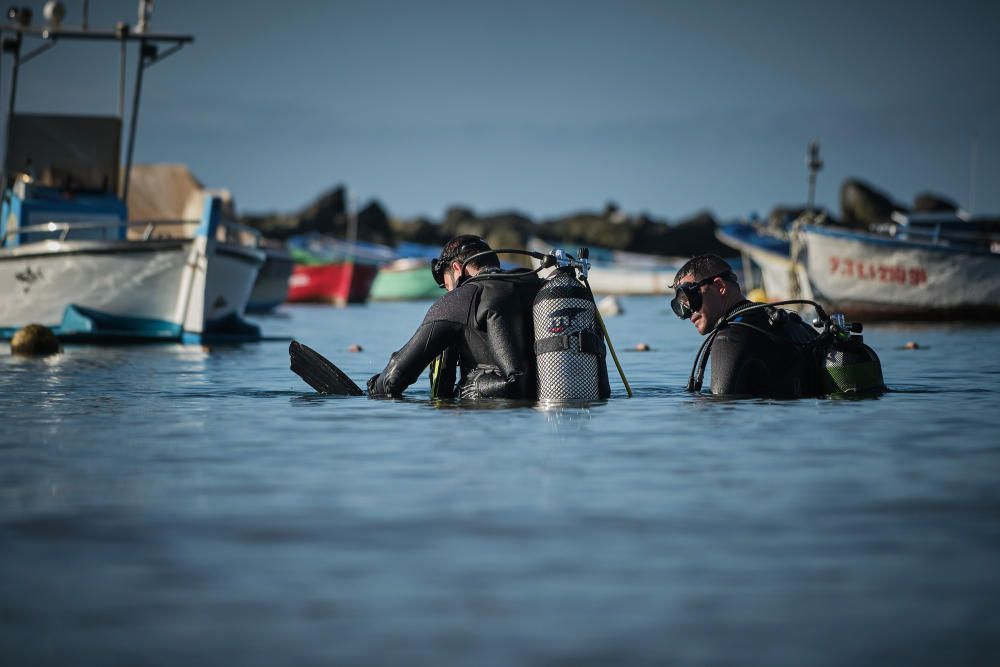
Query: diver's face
711,309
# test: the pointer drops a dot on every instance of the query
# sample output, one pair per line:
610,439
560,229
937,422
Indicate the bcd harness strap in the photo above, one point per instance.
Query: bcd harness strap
587,341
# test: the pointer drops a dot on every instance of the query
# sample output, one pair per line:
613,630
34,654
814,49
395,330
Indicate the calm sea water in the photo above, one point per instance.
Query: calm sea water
164,505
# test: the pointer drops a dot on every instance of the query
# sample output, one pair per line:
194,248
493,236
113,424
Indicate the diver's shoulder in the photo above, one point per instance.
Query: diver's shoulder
452,305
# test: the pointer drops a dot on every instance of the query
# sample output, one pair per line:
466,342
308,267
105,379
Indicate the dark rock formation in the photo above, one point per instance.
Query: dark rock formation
861,204
417,230
610,228
327,215
929,202
693,236
373,225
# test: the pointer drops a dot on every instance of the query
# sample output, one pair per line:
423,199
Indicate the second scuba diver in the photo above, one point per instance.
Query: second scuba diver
483,326
761,350
762,359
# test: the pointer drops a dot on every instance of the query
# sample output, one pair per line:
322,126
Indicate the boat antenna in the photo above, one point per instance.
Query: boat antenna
86,10
973,154
815,164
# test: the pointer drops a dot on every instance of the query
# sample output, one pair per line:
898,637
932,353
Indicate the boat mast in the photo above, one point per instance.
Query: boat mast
815,165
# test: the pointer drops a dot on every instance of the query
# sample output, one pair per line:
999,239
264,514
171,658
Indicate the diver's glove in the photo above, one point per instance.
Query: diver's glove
484,383
373,388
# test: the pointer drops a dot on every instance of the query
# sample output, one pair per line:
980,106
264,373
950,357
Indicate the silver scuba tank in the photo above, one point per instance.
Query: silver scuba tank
568,343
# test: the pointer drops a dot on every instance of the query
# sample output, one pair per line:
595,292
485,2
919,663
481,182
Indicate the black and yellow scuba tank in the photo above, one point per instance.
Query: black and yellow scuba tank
846,364
837,356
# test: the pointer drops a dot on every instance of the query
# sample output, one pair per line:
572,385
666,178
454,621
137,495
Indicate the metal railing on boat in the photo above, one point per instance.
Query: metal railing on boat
227,231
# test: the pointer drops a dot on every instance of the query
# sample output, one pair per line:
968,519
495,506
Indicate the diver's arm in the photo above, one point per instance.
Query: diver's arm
406,365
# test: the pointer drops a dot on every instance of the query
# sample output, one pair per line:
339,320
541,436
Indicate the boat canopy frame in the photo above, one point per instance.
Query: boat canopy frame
13,40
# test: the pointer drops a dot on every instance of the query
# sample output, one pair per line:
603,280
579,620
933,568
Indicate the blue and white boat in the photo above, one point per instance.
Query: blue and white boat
71,259
916,267
769,250
919,266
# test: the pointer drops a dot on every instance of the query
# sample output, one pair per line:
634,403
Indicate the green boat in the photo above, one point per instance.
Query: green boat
407,279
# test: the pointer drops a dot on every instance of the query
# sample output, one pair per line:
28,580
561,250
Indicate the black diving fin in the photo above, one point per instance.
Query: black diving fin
319,373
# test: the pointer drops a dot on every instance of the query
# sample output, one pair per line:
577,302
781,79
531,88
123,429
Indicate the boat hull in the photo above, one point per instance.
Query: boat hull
875,277
191,290
221,278
271,287
781,278
405,280
338,283
134,282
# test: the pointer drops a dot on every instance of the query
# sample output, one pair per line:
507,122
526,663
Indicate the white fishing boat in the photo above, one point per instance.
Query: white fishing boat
918,266
921,266
70,257
768,250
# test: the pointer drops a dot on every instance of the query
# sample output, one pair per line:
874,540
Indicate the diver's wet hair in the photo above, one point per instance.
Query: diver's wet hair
464,246
702,267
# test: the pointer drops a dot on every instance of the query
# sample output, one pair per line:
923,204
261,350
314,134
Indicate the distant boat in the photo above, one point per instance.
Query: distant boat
408,277
405,279
329,270
769,250
70,255
270,290
921,266
622,273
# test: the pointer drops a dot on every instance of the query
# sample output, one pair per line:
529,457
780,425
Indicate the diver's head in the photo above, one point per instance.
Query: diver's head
455,262
706,288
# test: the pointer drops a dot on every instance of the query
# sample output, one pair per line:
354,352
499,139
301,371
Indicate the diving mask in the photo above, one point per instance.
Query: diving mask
687,301
440,264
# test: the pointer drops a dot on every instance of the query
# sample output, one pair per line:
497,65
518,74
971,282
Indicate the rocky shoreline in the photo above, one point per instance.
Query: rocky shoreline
860,205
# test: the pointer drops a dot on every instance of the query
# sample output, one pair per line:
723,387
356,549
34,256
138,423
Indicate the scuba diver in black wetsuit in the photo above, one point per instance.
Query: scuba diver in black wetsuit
767,354
482,325
512,334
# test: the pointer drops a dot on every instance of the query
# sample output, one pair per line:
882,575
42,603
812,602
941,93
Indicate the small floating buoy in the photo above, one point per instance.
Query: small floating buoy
354,347
642,347
34,340
912,345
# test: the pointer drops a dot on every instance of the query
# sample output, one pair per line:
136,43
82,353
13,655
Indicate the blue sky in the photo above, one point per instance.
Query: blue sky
549,107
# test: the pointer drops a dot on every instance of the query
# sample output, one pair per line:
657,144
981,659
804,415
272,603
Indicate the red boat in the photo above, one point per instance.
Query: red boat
339,283
329,270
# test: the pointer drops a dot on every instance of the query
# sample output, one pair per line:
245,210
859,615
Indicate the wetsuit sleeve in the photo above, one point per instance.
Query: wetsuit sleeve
405,366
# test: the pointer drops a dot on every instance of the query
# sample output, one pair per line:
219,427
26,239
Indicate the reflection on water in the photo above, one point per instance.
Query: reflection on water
172,504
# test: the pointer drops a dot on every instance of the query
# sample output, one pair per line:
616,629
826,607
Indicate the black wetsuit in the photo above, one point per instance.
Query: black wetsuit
485,326
765,360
